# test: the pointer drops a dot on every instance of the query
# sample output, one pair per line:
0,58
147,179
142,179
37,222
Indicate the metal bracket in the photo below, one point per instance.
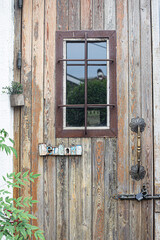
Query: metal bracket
20,3
135,122
19,60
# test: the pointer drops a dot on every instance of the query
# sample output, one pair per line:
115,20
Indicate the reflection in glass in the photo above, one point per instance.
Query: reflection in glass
75,117
97,85
75,85
97,117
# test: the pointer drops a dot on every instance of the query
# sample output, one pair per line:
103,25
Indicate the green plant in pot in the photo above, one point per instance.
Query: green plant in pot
15,220
15,90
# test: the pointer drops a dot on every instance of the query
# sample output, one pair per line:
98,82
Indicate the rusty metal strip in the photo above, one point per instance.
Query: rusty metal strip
94,64
88,105
85,60
86,73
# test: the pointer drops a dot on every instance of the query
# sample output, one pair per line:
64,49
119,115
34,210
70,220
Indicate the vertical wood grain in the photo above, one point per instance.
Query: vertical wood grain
146,94
62,23
74,14
156,107
62,193
86,14
134,109
122,99
17,78
62,15
75,210
110,172
98,156
109,14
37,106
49,120
110,178
26,111
98,14
86,160
86,189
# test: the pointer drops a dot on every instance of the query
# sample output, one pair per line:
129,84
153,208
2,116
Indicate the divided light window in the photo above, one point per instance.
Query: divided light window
86,84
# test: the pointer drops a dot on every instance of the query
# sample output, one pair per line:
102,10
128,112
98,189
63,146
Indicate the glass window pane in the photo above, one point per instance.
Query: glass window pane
97,85
97,50
97,117
75,85
75,117
75,50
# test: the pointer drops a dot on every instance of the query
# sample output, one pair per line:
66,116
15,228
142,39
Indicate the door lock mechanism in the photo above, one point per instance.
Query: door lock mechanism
137,171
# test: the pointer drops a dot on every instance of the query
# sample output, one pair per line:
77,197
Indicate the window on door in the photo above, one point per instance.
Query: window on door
86,84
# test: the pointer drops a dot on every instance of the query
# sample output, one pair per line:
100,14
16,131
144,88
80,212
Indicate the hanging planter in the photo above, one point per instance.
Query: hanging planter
17,100
16,94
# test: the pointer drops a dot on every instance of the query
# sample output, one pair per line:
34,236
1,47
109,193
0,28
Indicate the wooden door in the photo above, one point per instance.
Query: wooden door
76,193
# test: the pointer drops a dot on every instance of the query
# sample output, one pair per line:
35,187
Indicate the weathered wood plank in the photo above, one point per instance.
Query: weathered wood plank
98,15
49,121
110,14
134,109
17,78
157,226
111,206
62,194
156,95
98,156
62,15
86,190
110,189
75,210
50,198
146,93
37,106
122,99
26,111
74,15
86,14
156,108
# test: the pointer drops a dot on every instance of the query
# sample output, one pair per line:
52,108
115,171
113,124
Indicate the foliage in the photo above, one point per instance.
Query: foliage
3,145
14,219
15,88
96,94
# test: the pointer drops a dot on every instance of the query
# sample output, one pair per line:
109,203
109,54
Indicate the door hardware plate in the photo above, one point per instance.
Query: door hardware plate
135,122
137,172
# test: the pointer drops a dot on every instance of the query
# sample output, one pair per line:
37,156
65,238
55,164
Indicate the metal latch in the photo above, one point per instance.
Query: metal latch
143,195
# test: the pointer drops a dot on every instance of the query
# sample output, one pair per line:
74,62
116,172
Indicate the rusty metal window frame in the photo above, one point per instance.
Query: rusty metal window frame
86,132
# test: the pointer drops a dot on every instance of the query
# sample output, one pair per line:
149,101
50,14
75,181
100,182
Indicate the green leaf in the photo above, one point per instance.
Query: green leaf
14,151
31,216
4,178
36,175
18,175
11,140
25,174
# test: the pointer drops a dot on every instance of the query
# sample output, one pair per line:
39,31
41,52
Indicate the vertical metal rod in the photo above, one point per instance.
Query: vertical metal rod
86,73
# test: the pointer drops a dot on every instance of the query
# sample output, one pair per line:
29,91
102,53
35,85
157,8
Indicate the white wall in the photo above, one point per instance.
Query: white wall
6,76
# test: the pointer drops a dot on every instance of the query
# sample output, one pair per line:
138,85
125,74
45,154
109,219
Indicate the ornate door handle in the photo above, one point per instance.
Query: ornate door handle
137,171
